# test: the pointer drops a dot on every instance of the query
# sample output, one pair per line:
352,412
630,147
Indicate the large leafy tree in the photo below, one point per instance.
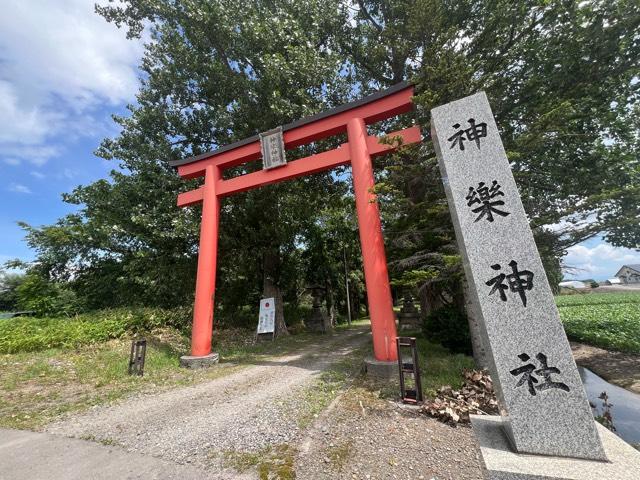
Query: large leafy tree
214,72
562,77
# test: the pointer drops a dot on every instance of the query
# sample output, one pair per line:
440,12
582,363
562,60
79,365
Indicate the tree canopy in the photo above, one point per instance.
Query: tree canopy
562,77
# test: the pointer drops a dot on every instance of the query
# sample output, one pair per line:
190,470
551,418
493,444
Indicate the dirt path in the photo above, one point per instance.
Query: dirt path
364,437
251,410
622,369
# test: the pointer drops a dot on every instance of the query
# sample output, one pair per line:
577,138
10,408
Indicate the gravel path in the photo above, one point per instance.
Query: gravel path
244,411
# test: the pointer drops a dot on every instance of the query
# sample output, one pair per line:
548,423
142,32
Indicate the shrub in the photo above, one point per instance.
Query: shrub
449,326
9,283
23,334
46,298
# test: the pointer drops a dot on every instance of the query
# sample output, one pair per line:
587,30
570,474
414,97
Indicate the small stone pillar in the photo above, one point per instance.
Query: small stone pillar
409,316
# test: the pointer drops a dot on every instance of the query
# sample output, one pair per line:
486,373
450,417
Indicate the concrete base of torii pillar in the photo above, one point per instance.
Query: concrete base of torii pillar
380,369
501,462
195,361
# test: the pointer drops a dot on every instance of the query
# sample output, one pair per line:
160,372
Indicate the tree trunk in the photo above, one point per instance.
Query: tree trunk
430,295
477,343
270,288
331,309
354,295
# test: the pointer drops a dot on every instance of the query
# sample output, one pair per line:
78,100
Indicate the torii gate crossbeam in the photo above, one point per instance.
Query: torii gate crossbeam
351,118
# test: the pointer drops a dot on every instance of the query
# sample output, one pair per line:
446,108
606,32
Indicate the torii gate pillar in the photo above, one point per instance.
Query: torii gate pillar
202,328
376,276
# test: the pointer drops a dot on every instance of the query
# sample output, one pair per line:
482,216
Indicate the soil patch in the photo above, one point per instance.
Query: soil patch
622,369
365,437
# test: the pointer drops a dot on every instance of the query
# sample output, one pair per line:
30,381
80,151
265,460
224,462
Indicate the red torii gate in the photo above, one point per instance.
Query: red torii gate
351,118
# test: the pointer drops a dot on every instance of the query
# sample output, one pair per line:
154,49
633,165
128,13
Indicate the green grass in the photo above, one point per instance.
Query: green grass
597,299
37,387
607,320
273,462
438,367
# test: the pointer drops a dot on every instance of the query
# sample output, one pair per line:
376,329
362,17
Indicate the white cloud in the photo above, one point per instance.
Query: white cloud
601,260
35,154
19,188
60,61
38,175
21,124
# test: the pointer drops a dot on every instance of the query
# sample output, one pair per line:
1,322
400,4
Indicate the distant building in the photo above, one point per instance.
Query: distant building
573,284
613,281
629,273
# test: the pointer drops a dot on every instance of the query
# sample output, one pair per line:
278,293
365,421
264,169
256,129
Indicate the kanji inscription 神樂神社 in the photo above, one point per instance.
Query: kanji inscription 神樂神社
544,406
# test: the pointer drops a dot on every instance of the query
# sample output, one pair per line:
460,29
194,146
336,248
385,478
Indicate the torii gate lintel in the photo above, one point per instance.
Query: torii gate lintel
358,151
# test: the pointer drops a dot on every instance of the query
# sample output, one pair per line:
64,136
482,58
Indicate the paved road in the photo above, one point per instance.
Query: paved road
39,456
181,433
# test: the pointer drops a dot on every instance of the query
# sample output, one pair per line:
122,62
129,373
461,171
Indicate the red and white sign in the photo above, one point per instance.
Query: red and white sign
267,318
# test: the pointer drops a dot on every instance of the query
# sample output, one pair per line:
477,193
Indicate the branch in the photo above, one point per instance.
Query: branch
369,17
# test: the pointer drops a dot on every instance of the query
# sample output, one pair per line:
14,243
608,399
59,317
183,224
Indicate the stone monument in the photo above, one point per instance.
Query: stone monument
409,316
318,321
543,404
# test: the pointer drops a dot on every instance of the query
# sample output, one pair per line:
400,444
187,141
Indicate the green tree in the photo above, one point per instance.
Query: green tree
46,298
562,78
9,283
214,72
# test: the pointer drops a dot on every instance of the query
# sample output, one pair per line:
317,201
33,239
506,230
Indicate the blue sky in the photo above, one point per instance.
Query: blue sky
63,72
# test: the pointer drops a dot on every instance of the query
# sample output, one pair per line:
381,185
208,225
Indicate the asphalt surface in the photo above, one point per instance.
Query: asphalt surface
40,456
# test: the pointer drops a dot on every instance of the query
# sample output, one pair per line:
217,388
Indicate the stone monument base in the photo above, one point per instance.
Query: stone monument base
409,321
189,361
501,462
380,370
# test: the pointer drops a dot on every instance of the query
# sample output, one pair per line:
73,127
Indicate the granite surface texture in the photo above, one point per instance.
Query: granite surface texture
500,462
541,396
189,361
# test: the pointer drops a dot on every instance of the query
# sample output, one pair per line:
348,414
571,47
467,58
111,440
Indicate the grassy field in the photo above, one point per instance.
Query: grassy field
607,320
439,367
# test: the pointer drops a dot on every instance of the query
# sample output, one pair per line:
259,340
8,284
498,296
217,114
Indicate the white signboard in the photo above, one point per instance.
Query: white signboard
267,318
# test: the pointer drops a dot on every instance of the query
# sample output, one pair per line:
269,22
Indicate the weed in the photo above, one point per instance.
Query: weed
272,462
340,454
331,381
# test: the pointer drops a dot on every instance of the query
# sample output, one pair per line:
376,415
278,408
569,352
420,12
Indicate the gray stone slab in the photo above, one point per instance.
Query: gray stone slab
545,408
500,462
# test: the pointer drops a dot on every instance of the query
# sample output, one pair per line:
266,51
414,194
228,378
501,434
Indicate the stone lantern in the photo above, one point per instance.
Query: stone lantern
409,316
318,321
